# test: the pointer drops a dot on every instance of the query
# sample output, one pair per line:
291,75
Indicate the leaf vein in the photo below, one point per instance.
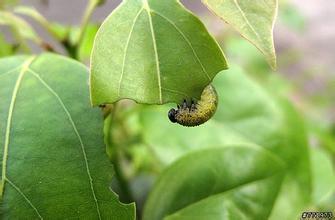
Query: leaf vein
25,66
146,6
77,134
175,91
247,20
188,42
126,49
10,71
25,197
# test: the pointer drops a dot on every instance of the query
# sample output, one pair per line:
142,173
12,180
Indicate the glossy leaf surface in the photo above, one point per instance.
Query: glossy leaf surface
53,159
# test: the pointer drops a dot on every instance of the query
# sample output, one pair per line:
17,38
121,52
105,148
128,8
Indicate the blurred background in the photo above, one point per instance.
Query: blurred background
304,38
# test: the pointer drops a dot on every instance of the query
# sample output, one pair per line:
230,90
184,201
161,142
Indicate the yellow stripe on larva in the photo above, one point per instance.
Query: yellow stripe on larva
201,112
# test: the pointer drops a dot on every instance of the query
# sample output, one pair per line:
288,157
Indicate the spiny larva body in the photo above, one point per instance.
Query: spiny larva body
196,113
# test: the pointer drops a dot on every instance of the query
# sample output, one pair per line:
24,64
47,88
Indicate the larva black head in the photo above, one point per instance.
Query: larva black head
172,115
195,113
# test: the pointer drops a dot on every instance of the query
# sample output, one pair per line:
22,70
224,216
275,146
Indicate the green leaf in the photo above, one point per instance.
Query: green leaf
85,48
87,43
323,175
256,119
208,184
179,140
54,164
246,113
254,20
292,147
275,124
149,50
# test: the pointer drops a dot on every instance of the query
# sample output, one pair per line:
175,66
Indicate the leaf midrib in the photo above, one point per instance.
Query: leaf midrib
24,68
53,92
147,8
246,19
187,41
126,49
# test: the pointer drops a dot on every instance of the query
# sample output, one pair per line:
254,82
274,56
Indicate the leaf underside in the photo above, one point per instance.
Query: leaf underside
254,20
152,52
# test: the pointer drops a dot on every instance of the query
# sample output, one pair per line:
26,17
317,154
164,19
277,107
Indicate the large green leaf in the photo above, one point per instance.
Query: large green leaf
148,50
254,20
272,123
257,119
209,184
53,159
292,146
324,175
179,140
246,113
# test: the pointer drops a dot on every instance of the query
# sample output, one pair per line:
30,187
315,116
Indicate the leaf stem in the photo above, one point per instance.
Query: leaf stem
39,18
116,156
92,4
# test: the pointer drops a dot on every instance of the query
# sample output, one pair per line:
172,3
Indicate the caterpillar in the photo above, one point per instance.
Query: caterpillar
196,113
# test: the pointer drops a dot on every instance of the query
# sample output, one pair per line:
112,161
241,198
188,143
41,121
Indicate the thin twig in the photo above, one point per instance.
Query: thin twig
116,156
92,4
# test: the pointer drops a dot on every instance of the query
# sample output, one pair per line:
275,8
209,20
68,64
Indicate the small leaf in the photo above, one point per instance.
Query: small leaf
254,20
53,159
149,50
208,184
87,43
86,46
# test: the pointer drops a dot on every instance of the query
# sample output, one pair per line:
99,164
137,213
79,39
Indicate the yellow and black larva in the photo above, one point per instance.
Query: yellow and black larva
196,113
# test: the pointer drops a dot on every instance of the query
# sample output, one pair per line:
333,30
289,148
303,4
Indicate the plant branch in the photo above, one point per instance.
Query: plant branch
116,156
92,4
39,18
